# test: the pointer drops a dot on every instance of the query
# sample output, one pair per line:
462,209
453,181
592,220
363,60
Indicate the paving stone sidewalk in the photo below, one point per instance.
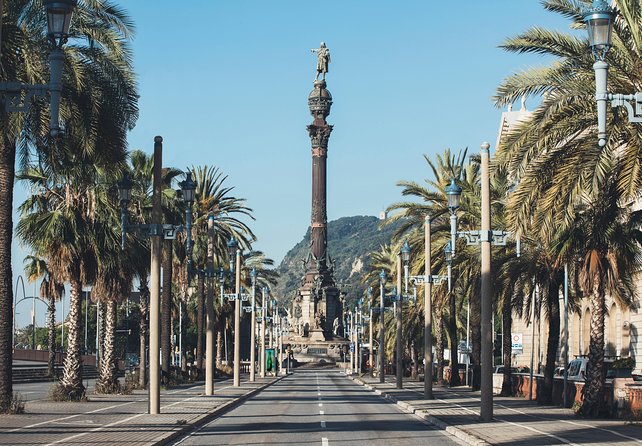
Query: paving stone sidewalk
123,419
517,421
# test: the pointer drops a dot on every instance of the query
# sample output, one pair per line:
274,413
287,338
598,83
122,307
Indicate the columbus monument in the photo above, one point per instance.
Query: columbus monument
317,312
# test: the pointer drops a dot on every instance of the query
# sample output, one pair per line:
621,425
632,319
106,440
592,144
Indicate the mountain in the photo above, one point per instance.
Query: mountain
350,240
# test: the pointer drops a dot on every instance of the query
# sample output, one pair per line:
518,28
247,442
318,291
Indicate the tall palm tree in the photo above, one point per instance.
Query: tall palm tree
555,156
96,119
213,198
434,203
52,290
607,239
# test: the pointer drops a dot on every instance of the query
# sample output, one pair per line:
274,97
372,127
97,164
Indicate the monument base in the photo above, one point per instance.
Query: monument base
309,350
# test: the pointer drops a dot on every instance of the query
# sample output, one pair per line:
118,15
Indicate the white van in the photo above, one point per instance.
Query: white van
577,369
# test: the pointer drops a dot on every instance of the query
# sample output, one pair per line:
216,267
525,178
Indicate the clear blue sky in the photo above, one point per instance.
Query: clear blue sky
226,83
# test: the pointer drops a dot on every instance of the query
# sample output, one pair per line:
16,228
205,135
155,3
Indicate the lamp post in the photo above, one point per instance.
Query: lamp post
210,362
370,334
484,237
18,95
235,258
264,301
599,20
156,231
399,324
382,367
253,275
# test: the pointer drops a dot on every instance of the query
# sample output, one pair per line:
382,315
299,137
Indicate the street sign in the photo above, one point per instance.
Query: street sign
352,347
517,343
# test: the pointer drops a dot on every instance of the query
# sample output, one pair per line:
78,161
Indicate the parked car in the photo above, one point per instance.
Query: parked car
577,368
500,369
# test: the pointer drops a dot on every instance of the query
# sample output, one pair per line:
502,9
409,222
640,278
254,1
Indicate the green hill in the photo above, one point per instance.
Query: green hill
350,240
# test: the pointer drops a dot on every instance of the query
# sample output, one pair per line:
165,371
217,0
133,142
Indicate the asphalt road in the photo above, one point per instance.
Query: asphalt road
317,407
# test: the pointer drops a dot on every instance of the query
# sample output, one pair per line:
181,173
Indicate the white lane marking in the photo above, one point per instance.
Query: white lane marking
320,404
130,418
324,442
507,422
100,410
321,412
574,423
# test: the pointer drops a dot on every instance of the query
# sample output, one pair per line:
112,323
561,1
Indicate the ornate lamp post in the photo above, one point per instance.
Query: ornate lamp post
253,275
235,258
264,302
483,237
156,231
18,95
383,278
370,334
599,23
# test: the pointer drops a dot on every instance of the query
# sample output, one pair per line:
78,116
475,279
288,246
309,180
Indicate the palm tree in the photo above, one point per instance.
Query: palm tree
52,290
213,198
434,203
552,153
559,164
606,238
140,173
96,119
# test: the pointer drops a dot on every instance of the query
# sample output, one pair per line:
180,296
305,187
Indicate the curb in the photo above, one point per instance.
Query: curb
215,413
409,408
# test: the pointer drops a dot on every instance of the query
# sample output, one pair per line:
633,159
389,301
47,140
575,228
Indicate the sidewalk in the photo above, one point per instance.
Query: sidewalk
123,419
516,421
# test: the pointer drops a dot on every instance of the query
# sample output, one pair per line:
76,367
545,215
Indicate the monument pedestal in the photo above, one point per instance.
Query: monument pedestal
309,350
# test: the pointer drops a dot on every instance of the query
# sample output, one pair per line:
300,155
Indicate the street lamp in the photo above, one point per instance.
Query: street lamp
383,278
235,265
484,237
599,20
253,275
188,192
156,231
265,296
370,334
19,95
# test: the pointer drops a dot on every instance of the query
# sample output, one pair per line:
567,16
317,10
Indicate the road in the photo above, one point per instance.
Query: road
40,390
317,407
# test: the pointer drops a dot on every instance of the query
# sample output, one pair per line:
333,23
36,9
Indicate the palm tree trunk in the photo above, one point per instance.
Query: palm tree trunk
439,345
475,335
71,382
7,162
200,307
219,348
166,309
183,325
413,358
507,344
108,382
144,310
452,334
553,310
51,325
593,404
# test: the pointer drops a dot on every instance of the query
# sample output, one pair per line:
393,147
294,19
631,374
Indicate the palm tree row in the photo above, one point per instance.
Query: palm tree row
568,199
71,221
